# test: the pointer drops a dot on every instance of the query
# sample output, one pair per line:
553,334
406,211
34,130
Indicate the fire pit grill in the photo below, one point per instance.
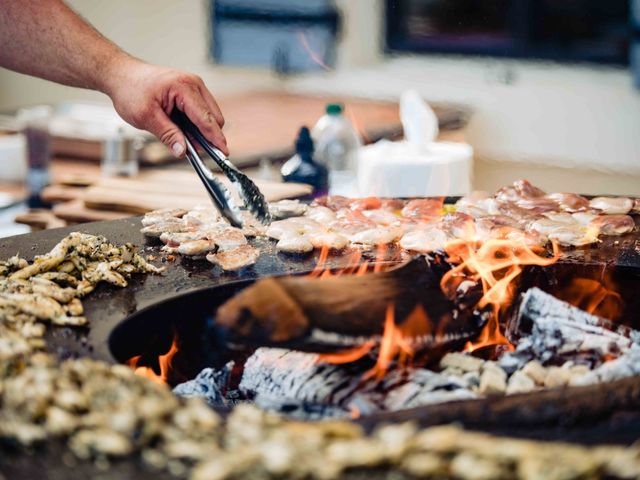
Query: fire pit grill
614,419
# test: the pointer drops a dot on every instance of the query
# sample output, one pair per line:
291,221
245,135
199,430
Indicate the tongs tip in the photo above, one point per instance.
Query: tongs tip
250,194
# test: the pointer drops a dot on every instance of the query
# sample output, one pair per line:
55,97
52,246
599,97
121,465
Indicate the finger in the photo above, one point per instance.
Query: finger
192,103
212,104
162,127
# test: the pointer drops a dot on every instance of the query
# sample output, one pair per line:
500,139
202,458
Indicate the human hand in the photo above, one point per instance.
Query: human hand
144,95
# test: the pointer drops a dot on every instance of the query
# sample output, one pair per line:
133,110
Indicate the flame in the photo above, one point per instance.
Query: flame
163,360
353,264
347,356
396,343
496,263
596,297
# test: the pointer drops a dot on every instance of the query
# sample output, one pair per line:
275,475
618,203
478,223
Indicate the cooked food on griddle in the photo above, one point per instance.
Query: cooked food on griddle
294,244
518,211
50,288
236,258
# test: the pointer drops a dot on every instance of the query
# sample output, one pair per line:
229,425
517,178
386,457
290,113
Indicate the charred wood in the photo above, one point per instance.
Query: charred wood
323,314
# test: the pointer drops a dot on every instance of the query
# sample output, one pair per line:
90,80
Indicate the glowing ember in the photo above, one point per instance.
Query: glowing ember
164,361
496,263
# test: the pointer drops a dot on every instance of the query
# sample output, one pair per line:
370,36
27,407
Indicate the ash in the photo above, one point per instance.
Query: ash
557,345
209,384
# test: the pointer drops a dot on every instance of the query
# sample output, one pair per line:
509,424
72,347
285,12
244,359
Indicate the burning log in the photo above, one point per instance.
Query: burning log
300,385
537,304
345,311
288,375
553,332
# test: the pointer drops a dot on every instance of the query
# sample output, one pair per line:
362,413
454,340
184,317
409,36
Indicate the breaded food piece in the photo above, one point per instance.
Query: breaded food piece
613,224
235,259
612,205
229,239
294,244
287,208
331,240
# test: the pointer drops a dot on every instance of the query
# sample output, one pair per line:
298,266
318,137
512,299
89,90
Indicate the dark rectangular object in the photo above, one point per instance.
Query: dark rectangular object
285,35
576,31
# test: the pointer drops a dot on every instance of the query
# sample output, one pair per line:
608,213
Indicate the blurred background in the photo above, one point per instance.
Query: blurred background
538,89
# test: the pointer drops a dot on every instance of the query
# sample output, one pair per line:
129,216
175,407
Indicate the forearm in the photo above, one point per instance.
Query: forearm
45,38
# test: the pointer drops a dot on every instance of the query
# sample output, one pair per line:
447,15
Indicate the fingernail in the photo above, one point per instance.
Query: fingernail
177,149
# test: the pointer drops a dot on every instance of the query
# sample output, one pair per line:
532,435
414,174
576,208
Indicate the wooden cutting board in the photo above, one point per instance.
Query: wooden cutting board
113,197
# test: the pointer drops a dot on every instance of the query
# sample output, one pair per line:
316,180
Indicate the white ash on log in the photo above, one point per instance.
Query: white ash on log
276,372
209,384
537,304
552,331
558,345
285,374
624,366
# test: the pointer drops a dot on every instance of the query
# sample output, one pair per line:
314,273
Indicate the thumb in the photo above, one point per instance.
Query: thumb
162,127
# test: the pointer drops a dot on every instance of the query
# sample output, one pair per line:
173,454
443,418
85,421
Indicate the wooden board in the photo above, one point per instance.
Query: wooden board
111,198
77,212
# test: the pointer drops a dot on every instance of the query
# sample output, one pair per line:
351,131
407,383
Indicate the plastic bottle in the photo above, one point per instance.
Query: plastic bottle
302,167
337,144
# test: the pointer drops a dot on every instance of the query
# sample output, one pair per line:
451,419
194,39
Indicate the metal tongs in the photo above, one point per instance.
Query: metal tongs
251,196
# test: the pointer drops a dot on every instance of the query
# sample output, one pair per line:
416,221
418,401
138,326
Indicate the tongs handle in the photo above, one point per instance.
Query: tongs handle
187,126
217,191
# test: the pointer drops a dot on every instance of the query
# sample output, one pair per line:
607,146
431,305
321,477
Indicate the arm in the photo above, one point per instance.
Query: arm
45,38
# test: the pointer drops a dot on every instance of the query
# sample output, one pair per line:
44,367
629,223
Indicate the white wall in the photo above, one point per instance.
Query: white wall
553,115
168,32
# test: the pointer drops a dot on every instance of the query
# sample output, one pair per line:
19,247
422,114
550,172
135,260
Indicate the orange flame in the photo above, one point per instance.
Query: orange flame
396,343
163,360
597,297
347,356
496,263
353,264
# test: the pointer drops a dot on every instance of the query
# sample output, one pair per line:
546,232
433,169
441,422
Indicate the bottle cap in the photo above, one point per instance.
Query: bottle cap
334,109
304,143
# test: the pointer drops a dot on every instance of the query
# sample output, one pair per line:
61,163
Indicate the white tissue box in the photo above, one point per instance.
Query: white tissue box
13,158
401,169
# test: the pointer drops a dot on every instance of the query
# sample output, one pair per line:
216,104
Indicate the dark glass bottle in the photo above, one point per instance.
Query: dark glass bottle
302,168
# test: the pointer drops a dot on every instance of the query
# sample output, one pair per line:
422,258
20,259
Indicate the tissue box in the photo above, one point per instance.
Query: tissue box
401,169
13,157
